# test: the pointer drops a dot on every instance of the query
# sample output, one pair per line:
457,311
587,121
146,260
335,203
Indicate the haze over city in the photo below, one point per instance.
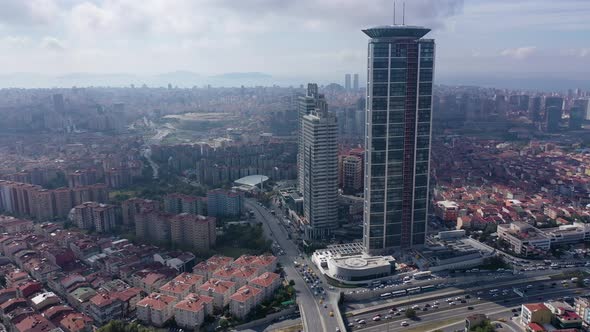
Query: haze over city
309,166
63,43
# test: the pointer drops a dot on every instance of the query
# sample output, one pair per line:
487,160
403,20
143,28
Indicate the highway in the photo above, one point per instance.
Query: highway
314,316
451,317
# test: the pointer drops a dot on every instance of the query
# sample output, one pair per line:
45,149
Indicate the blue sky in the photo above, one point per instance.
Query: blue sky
316,39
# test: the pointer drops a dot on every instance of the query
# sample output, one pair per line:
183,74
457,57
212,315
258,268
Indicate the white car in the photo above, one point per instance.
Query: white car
404,323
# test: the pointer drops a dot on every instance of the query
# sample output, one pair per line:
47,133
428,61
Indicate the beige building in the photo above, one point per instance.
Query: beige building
535,313
156,309
244,300
192,230
191,312
524,239
268,282
220,290
182,285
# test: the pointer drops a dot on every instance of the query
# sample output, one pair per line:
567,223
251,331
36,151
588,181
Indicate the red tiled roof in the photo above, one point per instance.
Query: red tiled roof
193,302
156,301
217,286
265,279
533,307
245,293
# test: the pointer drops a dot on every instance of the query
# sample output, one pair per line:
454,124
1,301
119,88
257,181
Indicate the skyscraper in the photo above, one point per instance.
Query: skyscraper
347,82
306,104
535,109
320,173
397,139
553,117
355,82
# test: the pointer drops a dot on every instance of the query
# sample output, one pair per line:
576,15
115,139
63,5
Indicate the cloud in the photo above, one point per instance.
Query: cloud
52,44
520,52
14,41
28,12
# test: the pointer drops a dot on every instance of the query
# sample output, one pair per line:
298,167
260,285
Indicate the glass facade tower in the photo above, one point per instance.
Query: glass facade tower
397,138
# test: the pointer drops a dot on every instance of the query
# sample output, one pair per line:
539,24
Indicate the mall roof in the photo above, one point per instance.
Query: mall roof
252,180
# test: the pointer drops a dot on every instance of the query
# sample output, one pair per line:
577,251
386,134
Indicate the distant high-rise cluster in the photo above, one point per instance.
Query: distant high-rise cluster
351,85
399,107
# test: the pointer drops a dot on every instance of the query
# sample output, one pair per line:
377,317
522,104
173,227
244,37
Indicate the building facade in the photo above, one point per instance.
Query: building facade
320,174
397,139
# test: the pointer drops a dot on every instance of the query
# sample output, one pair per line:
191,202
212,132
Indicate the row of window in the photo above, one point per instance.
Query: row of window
395,241
394,229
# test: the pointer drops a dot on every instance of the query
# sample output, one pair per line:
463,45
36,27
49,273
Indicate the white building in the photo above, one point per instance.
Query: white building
348,264
220,290
320,174
156,309
524,239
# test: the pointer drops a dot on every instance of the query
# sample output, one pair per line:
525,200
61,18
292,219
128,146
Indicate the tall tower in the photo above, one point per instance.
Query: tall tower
355,82
347,82
397,139
320,174
306,104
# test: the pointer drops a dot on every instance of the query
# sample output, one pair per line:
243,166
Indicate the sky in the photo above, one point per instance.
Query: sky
306,40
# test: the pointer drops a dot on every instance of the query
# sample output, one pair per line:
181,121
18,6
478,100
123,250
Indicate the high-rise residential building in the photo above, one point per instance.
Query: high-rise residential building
347,84
179,203
306,104
95,216
320,173
351,173
556,102
584,104
397,139
224,203
355,82
191,230
133,206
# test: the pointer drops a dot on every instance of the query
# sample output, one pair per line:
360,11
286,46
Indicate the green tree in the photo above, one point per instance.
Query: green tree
410,313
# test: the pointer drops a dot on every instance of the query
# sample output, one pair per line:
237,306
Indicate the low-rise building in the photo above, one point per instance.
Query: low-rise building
220,290
156,309
244,300
182,285
104,307
268,282
191,312
535,313
447,210
524,239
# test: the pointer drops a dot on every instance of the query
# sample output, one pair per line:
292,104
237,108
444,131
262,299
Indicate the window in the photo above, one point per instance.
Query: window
420,192
422,155
377,170
376,231
426,63
418,239
424,102
379,117
379,90
398,75
395,143
394,225
397,89
425,89
419,204
394,206
395,181
376,207
422,167
379,103
393,241
378,143
424,129
419,227
424,115
422,142
396,129
395,155
425,75
378,157
397,102
380,76
376,243
396,116
398,63
380,63
394,194
380,50
379,130
421,180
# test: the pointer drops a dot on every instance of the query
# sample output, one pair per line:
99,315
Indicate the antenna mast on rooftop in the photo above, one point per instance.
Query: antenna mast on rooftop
393,12
404,14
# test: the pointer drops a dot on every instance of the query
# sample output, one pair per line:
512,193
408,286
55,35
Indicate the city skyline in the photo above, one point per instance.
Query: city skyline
127,43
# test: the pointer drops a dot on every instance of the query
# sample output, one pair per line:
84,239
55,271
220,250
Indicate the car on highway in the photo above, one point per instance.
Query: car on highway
376,318
404,323
470,308
362,321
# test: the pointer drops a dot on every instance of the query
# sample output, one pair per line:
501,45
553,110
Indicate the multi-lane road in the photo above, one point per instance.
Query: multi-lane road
315,316
450,317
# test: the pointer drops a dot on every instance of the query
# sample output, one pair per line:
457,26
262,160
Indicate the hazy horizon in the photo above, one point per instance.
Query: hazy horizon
516,42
